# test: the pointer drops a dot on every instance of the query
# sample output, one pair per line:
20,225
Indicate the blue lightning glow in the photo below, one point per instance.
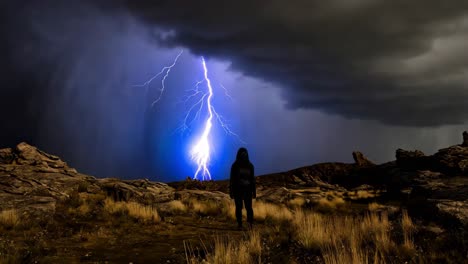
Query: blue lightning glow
200,153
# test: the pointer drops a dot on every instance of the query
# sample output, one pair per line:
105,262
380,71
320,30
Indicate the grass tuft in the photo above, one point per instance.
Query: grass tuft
9,218
138,211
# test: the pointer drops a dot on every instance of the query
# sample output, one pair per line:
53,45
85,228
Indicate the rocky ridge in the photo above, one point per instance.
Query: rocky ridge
33,182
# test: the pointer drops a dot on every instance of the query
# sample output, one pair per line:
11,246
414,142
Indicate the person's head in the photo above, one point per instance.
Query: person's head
242,155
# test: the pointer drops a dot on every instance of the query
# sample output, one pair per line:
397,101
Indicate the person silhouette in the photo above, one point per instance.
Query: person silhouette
242,185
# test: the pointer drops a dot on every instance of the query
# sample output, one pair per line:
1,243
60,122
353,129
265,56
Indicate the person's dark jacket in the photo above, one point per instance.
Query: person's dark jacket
242,180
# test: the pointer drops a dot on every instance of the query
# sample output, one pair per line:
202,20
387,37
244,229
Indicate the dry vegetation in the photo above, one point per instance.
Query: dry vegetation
289,231
408,229
177,206
226,250
263,211
138,211
9,218
341,238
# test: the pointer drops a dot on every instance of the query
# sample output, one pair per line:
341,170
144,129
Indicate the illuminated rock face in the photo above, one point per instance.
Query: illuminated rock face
33,182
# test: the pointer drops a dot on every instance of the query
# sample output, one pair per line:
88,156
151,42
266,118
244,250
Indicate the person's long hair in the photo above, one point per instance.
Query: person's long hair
242,156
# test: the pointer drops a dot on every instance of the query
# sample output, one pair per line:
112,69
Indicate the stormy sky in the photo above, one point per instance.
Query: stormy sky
310,81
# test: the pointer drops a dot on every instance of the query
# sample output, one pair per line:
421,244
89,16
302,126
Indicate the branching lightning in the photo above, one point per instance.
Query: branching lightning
166,70
200,153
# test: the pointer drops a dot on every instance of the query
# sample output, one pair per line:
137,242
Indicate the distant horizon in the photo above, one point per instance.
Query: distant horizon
179,179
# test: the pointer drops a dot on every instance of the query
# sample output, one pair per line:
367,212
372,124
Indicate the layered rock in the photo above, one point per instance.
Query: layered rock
452,160
442,196
33,182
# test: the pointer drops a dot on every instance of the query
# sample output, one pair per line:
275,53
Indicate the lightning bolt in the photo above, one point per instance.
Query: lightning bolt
165,70
201,151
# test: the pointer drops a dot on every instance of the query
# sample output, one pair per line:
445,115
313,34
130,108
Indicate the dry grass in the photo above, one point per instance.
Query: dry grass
254,242
312,231
9,218
262,211
177,206
83,204
408,229
82,210
375,206
138,211
226,250
345,239
331,202
297,202
208,207
363,194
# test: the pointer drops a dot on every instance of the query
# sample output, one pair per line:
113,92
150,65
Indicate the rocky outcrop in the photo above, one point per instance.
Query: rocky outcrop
34,182
361,160
325,175
465,139
412,160
440,195
143,191
452,160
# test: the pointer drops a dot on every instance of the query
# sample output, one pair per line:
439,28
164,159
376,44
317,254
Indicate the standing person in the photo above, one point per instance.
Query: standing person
242,185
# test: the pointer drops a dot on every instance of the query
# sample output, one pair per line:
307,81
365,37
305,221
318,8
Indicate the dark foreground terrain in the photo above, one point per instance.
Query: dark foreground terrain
411,210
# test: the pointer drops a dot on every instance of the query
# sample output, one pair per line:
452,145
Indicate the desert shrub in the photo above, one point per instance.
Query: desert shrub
84,205
74,199
9,218
83,186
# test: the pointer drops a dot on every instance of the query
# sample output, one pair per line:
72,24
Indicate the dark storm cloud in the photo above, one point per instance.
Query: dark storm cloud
400,62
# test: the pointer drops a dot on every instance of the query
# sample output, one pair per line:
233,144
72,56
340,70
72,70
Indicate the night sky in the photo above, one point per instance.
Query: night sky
310,81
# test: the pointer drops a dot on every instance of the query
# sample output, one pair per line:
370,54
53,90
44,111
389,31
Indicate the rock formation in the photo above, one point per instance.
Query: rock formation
361,160
33,182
